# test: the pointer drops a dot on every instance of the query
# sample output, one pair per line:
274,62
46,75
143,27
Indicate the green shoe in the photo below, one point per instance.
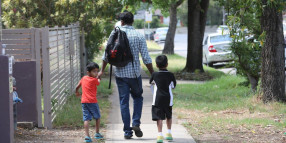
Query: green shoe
169,136
160,139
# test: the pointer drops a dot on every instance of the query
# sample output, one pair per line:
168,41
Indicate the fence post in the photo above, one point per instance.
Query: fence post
33,50
6,103
46,78
71,58
82,53
38,76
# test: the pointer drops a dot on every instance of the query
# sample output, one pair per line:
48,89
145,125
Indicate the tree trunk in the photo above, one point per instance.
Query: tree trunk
253,81
197,14
169,43
273,58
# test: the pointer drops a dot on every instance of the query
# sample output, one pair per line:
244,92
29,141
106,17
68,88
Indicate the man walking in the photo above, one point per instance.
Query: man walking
128,78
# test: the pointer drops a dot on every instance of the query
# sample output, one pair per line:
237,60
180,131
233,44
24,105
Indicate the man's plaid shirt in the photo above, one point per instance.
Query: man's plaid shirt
137,44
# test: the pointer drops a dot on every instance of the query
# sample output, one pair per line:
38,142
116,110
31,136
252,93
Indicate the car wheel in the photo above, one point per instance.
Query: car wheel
210,64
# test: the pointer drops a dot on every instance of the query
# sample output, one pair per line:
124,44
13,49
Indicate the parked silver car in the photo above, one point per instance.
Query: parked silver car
160,34
216,48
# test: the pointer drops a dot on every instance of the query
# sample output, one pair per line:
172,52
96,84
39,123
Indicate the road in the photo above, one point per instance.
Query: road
181,44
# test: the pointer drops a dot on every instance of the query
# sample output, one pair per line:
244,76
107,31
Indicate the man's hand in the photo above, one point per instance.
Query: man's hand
104,63
150,68
99,74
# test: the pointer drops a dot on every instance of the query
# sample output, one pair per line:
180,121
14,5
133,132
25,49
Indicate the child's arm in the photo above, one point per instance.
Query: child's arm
174,81
97,81
77,88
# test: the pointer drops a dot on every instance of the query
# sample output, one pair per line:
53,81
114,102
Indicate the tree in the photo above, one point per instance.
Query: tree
214,15
169,7
197,14
263,18
94,15
244,24
273,58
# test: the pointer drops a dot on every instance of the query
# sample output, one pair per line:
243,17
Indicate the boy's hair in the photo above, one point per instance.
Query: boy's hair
161,61
91,66
127,17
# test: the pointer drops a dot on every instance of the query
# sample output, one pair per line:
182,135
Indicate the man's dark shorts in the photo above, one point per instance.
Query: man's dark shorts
161,113
90,110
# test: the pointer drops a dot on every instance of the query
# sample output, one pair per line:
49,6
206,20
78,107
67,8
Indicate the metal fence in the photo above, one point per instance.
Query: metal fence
61,67
57,55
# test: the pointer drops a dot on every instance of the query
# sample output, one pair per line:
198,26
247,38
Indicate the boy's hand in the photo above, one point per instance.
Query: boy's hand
77,94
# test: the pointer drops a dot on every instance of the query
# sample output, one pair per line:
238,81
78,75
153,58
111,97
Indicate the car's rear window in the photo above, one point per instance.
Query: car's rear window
220,38
161,30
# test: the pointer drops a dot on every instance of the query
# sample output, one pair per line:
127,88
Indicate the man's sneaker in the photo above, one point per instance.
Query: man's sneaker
169,136
128,136
137,131
160,139
98,136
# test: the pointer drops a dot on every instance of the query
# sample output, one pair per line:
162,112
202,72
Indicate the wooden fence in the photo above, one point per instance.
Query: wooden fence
57,55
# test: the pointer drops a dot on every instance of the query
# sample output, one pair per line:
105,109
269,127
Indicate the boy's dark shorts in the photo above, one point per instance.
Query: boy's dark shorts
161,113
90,110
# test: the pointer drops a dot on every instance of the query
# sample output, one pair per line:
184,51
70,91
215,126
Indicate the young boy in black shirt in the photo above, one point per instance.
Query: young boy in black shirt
164,81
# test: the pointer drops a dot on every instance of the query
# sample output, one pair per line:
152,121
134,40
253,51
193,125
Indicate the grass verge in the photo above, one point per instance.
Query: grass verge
223,111
153,46
177,63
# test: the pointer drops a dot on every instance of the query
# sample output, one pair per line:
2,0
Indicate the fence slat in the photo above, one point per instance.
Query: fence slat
18,46
16,36
22,57
18,52
16,31
28,41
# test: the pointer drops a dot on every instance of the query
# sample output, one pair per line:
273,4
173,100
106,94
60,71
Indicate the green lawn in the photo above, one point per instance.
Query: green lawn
153,46
223,107
177,63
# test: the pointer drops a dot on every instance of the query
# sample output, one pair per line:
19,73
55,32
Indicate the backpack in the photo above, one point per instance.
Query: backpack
117,51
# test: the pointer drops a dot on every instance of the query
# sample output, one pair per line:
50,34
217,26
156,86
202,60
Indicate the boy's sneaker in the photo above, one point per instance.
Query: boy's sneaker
137,131
160,139
169,136
98,136
87,139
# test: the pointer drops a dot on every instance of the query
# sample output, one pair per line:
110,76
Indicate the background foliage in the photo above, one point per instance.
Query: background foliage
95,16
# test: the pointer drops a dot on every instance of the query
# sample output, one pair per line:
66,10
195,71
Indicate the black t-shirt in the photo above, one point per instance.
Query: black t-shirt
164,82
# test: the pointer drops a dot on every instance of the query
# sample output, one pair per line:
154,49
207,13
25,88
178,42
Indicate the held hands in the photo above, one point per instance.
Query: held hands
99,75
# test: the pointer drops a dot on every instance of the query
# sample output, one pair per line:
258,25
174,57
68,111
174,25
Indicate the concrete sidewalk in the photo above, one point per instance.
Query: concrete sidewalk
115,132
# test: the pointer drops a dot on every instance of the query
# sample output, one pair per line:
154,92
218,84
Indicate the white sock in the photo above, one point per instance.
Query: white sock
160,134
169,131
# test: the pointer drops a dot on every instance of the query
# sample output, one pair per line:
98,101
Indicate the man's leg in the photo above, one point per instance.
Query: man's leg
136,93
124,91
